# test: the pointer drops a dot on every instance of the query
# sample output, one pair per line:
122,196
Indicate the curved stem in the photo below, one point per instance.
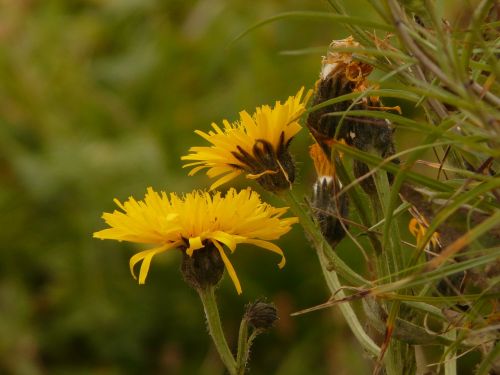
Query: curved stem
326,258
320,243
243,347
246,354
207,297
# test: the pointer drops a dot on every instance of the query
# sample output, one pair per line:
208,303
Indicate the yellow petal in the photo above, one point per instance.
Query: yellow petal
413,227
224,179
229,240
195,243
266,123
166,221
229,267
146,257
269,246
251,176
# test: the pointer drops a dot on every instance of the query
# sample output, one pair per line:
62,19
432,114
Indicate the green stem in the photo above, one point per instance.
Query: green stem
246,352
392,263
392,243
207,297
450,364
326,258
243,347
393,360
320,243
354,194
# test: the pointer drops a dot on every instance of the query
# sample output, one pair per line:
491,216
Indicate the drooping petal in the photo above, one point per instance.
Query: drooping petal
271,247
230,240
229,267
193,220
146,256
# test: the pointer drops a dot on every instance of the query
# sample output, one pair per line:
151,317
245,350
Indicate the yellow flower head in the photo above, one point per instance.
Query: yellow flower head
195,222
418,228
256,144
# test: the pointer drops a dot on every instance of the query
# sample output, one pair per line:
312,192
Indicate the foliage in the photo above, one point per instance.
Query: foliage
100,99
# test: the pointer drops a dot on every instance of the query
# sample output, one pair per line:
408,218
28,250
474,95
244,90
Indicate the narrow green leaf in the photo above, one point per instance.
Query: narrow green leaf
316,15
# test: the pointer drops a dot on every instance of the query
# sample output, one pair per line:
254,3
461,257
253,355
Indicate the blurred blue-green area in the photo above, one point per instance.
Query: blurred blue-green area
98,100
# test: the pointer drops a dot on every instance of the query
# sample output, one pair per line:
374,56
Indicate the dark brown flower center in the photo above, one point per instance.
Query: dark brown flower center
204,268
275,167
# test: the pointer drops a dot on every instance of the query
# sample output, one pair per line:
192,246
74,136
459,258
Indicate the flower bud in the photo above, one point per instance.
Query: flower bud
342,74
204,268
328,207
261,315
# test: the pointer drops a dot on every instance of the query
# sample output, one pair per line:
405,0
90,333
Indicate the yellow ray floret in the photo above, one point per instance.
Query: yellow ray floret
193,221
276,126
322,164
418,229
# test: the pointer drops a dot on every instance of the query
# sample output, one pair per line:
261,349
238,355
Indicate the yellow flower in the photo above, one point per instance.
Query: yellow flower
418,229
256,144
194,222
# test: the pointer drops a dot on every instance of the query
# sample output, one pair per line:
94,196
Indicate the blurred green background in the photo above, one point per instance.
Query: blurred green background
99,99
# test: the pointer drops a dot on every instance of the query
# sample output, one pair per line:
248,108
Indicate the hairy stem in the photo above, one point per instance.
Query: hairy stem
207,297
